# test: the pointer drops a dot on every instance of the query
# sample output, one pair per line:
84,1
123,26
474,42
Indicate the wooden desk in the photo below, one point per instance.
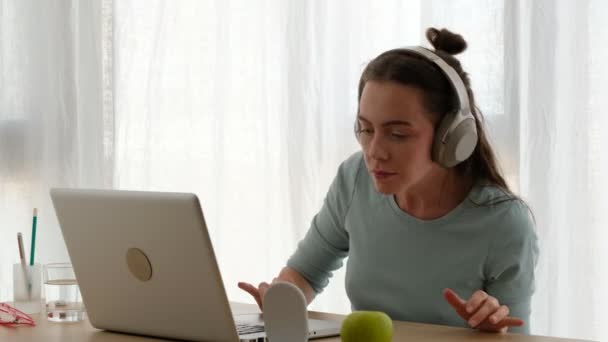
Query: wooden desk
404,331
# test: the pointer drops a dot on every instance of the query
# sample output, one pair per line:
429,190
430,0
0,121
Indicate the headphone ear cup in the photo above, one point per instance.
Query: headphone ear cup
438,151
460,143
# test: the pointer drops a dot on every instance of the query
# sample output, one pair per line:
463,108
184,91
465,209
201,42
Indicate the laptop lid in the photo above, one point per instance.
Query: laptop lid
145,263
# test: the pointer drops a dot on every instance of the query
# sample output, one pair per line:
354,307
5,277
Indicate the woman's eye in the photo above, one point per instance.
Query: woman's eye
398,135
366,131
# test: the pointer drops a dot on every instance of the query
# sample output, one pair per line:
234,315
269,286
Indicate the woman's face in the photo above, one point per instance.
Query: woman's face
396,135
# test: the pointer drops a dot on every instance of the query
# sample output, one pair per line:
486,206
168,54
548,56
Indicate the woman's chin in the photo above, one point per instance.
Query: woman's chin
385,188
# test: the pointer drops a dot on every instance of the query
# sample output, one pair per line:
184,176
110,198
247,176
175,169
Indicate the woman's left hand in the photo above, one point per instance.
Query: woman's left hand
482,311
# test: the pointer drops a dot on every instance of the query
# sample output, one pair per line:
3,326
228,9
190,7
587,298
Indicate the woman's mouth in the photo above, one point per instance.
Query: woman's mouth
382,175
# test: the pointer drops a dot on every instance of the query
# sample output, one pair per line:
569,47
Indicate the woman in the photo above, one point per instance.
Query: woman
419,235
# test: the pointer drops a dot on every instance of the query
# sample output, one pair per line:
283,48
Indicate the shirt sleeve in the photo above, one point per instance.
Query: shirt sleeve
511,262
326,243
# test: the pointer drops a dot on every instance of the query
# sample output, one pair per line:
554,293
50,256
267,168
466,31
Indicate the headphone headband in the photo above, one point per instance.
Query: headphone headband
456,135
450,72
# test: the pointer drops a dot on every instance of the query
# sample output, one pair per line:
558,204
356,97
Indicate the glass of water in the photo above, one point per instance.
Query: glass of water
63,300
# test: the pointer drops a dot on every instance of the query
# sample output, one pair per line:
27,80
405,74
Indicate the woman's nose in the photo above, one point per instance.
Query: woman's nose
376,149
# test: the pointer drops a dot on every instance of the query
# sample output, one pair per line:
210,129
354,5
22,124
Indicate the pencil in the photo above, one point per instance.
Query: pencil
33,247
23,265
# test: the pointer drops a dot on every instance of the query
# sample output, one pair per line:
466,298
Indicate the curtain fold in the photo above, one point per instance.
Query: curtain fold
55,126
562,168
251,106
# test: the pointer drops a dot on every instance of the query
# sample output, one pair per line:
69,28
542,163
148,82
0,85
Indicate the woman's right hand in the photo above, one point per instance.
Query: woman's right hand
287,274
256,292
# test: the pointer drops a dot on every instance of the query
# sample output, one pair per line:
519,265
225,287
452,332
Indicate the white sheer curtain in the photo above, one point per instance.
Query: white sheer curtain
538,69
251,104
55,116
564,165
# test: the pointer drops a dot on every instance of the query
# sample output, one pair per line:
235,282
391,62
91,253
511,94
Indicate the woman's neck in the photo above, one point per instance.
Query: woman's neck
435,195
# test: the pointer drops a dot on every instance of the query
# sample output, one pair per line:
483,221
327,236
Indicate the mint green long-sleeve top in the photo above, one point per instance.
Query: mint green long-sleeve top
400,265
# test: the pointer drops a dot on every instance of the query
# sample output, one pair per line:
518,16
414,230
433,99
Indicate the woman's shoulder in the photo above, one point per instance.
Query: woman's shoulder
354,162
506,212
350,168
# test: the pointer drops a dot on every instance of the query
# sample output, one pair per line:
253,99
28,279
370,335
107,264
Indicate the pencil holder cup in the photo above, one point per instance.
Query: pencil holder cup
27,288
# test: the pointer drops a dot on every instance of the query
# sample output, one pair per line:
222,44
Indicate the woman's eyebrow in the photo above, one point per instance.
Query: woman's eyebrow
388,123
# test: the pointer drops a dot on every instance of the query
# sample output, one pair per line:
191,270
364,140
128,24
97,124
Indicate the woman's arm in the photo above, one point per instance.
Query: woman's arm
326,243
290,275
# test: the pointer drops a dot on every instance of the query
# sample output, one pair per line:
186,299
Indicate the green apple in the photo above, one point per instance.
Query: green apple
367,326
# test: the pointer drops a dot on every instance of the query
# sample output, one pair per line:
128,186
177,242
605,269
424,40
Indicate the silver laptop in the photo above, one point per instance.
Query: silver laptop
145,265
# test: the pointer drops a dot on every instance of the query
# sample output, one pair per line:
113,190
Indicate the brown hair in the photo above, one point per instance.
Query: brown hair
407,68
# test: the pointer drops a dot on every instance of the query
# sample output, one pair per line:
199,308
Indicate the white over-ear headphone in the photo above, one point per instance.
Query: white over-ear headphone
456,135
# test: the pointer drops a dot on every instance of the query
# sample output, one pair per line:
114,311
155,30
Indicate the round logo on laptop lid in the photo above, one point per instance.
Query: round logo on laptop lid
138,264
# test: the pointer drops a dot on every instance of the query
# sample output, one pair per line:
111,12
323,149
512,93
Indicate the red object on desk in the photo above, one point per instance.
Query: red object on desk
10,316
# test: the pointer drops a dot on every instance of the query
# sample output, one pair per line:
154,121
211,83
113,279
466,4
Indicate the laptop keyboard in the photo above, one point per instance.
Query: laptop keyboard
244,328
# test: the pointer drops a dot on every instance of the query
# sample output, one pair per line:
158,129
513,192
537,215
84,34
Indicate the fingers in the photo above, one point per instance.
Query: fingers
452,297
486,313
510,322
492,328
499,315
456,302
476,300
488,307
253,291
262,289
502,325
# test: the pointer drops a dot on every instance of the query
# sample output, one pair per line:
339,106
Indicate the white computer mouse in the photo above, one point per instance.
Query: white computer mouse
285,314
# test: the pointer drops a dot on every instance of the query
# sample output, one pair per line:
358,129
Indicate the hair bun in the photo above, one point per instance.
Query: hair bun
446,40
